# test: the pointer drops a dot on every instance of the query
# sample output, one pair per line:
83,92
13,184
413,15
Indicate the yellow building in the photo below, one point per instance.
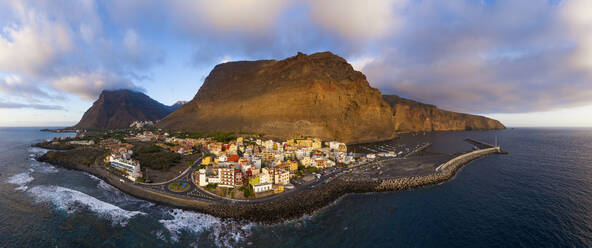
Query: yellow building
304,143
255,181
268,156
206,161
278,189
317,144
293,165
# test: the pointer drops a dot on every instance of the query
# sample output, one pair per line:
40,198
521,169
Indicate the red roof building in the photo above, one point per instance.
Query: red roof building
232,158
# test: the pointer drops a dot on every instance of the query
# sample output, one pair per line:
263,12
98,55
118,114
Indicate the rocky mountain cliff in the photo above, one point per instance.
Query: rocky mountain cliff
119,108
317,95
412,116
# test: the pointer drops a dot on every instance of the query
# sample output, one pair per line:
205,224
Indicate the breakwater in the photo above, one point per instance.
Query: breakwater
442,172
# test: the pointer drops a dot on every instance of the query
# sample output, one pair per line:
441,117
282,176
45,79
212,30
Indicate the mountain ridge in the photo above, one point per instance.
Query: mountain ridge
414,116
119,108
317,95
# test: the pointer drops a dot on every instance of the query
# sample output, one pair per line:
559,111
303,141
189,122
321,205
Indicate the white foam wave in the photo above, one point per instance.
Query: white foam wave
21,179
70,200
43,167
37,151
227,233
187,221
230,233
116,195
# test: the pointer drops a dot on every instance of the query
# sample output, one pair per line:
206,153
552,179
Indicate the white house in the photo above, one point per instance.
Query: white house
262,187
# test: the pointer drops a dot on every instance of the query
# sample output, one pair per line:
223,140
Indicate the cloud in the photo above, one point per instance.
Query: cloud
576,14
15,86
252,16
89,86
358,20
12,105
510,56
29,49
53,47
476,56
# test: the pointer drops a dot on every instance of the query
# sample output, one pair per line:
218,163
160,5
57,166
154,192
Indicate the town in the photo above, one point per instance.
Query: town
234,166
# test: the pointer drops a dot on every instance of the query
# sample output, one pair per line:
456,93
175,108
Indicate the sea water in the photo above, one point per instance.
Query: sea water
539,195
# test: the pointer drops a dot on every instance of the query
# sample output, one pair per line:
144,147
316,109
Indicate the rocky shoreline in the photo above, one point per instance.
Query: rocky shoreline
280,209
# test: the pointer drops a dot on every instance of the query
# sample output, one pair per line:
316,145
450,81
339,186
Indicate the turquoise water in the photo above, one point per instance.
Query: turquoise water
540,195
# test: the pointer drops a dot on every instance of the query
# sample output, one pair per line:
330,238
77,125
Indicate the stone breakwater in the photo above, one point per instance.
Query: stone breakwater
293,204
443,172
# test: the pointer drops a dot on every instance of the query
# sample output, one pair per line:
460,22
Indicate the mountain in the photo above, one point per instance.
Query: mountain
178,104
317,95
412,116
119,108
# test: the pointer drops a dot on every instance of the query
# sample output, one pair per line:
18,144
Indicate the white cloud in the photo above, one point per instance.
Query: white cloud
15,86
31,48
13,105
359,20
254,16
359,63
510,56
576,15
89,86
55,48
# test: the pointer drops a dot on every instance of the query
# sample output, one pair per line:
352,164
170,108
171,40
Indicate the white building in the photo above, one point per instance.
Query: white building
222,158
131,167
262,187
266,176
282,177
82,142
256,162
203,181
306,161
337,146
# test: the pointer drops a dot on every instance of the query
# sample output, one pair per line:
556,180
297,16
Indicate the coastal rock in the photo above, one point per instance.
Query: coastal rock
119,108
412,116
318,95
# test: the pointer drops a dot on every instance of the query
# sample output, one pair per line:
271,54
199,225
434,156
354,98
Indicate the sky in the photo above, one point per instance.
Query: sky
525,63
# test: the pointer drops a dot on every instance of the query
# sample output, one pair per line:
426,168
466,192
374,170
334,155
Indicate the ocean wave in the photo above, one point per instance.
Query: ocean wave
224,233
116,195
21,179
187,221
36,151
70,200
43,167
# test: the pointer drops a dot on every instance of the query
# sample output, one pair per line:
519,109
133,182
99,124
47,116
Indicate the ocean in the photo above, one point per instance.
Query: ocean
539,195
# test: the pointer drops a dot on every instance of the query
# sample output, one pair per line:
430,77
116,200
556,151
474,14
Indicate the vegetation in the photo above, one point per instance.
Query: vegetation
247,190
193,135
97,136
211,186
222,136
179,187
155,157
57,146
312,169
83,156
